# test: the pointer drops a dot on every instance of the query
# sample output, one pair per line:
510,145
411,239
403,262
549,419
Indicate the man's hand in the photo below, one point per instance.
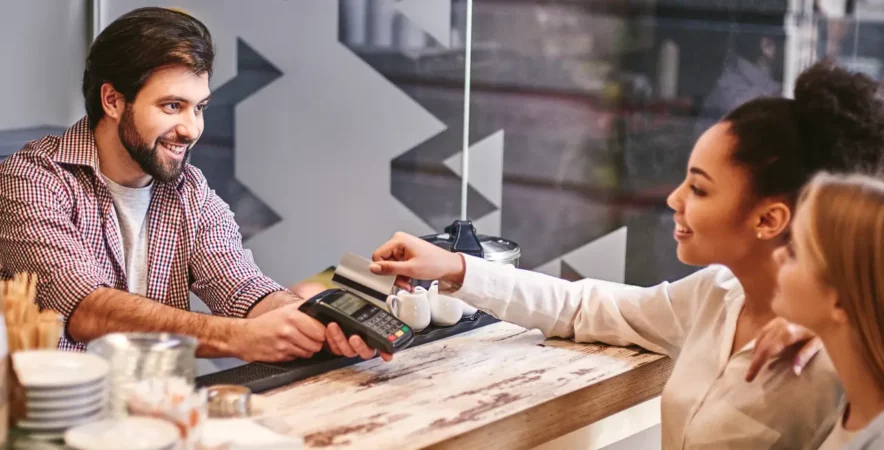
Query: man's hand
340,345
281,334
776,337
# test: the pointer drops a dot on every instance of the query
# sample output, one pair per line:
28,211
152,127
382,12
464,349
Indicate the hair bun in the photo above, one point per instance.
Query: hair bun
841,117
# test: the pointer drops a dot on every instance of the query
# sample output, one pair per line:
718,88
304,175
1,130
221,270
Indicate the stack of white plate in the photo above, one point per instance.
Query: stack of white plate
64,389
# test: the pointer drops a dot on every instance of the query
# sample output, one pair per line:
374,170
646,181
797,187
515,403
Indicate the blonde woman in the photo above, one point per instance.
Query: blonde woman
831,281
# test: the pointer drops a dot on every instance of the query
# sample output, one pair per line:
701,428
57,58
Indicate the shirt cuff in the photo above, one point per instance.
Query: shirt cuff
249,295
65,293
485,284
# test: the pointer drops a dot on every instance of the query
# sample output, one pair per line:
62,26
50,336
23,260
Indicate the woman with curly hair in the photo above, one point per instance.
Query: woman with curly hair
733,210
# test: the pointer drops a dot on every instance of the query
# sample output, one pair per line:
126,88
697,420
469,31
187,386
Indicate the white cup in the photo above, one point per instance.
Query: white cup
445,310
413,308
468,310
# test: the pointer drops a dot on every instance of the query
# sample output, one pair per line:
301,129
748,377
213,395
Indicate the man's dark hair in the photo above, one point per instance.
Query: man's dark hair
129,50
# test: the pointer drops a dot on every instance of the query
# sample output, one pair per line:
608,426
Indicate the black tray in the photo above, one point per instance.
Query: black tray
261,377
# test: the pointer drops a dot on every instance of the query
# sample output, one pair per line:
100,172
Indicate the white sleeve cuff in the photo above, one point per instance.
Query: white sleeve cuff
485,284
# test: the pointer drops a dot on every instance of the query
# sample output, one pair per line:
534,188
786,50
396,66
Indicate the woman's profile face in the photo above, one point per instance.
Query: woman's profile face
802,297
713,216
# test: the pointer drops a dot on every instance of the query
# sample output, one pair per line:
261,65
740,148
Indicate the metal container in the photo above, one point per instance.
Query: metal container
461,237
138,356
226,401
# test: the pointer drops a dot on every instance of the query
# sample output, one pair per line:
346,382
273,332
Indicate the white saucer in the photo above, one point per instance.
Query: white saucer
87,391
42,369
44,437
51,425
139,433
63,414
38,404
74,387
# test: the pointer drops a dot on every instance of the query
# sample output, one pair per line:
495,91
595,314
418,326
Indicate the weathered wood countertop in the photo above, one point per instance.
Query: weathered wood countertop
500,386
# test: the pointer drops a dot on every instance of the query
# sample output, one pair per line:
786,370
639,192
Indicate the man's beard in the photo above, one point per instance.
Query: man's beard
147,157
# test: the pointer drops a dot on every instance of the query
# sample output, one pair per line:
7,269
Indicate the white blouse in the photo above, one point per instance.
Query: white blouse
706,404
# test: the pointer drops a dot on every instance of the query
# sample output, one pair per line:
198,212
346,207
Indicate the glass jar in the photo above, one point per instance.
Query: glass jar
139,356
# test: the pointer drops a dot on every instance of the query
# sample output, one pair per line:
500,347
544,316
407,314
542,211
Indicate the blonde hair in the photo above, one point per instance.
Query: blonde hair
844,235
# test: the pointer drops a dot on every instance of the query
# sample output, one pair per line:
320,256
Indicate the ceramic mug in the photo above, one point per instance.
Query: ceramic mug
444,310
468,310
412,308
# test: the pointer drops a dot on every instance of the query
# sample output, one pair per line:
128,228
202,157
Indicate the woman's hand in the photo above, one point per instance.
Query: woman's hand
409,257
779,335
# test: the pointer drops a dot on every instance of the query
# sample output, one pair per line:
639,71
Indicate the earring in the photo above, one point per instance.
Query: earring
759,235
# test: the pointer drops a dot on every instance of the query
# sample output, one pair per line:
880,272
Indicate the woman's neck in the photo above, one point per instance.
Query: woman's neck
759,281
864,393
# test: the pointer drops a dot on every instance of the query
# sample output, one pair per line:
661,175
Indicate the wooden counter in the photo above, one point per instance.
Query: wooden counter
500,386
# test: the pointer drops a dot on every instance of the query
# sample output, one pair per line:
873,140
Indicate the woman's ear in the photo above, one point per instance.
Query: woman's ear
773,220
838,313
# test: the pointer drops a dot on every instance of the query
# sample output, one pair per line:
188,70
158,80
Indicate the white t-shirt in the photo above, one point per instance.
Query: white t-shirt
871,437
707,404
131,205
838,437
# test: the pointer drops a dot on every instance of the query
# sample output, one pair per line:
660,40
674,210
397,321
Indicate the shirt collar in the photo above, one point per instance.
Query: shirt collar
77,147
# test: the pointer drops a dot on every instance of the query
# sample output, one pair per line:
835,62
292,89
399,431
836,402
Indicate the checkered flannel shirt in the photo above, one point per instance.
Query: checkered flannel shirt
57,219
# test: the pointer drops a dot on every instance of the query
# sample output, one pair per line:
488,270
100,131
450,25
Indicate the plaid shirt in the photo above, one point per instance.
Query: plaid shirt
57,219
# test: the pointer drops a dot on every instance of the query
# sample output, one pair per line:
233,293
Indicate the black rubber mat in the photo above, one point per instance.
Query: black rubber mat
260,377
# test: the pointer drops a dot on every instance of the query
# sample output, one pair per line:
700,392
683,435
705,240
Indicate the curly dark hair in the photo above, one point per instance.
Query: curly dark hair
834,123
131,48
